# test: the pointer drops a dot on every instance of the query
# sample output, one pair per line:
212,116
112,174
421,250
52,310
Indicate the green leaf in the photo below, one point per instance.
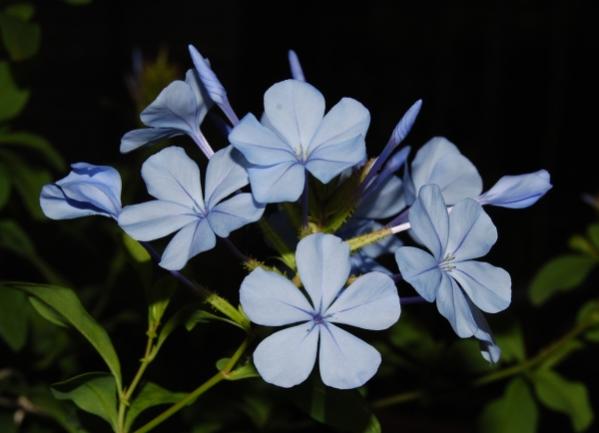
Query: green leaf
137,251
7,423
593,233
514,412
581,244
415,339
202,316
48,313
14,239
27,180
246,371
23,11
21,38
561,395
66,304
344,410
92,392
151,395
14,319
560,274
61,412
4,186
511,342
28,140
590,313
159,297
12,99
275,240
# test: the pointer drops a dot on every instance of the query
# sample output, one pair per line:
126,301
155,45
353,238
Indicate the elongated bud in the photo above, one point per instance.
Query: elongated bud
297,73
392,166
209,79
405,124
400,132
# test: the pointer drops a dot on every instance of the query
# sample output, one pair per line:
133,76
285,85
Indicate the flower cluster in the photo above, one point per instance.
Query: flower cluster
343,214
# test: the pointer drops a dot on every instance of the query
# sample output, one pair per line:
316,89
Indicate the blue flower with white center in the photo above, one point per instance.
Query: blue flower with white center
296,136
287,357
179,109
448,275
174,180
517,192
87,190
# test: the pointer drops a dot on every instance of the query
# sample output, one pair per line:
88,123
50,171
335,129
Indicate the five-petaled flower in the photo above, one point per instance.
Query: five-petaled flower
174,180
460,285
287,357
295,136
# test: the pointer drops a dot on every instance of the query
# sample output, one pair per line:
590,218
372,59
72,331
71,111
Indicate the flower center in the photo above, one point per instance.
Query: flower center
447,264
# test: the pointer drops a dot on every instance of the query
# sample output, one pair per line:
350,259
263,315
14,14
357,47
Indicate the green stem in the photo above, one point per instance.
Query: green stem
498,375
193,396
368,238
125,397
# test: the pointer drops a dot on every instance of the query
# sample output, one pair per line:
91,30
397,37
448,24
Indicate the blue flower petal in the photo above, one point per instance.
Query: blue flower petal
171,175
347,120
518,192
236,212
386,201
191,240
272,300
286,358
224,176
328,161
471,231
429,220
295,110
323,266
370,302
439,162
154,219
421,270
453,304
346,361
339,142
278,183
140,137
259,144
176,107
489,287
87,190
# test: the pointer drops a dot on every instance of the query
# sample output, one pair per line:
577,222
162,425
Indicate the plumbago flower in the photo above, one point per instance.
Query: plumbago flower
449,275
179,109
87,190
174,180
295,136
287,357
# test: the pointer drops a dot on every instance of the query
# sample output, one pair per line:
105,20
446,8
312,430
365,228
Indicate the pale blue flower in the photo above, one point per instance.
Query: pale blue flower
179,109
87,190
519,191
448,275
287,357
174,180
296,136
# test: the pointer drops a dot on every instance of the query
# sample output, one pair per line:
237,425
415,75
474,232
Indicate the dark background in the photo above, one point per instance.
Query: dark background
511,83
